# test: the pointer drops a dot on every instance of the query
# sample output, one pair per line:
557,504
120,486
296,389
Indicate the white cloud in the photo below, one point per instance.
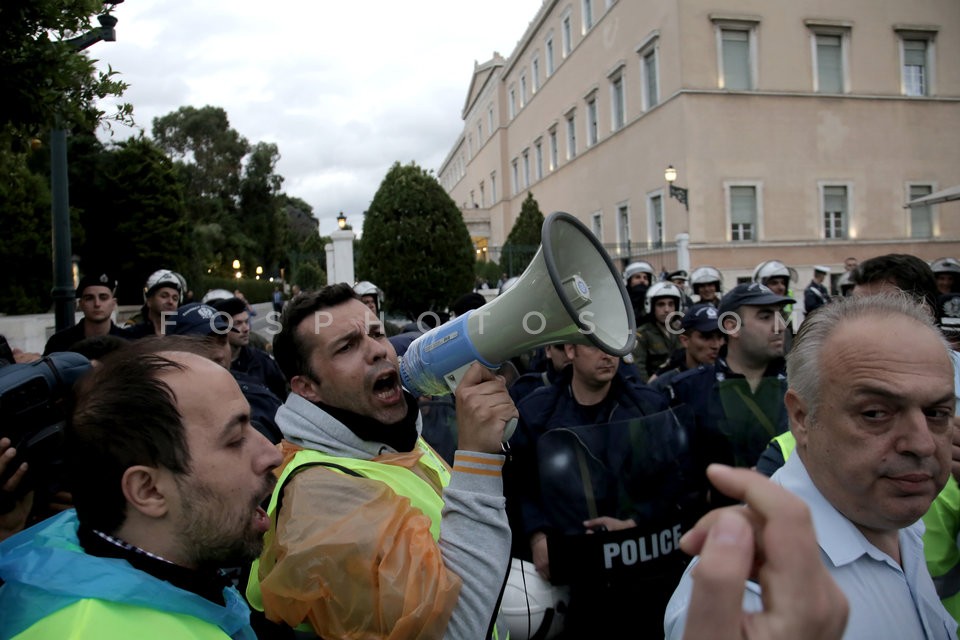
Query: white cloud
344,89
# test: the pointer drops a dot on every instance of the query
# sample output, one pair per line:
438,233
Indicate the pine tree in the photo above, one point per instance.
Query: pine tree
524,238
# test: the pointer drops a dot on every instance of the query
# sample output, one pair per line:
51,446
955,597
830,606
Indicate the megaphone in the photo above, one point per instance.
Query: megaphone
570,293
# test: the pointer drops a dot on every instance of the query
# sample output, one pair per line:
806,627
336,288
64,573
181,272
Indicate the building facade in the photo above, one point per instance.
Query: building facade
798,131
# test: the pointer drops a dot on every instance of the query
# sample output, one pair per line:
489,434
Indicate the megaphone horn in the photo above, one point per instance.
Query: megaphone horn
570,293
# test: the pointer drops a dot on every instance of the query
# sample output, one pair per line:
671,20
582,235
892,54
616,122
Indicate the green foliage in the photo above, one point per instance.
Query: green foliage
261,213
43,80
135,219
415,245
25,254
524,239
489,271
310,276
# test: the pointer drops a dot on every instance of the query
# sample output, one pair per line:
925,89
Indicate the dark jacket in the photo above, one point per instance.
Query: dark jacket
63,340
815,296
261,367
733,423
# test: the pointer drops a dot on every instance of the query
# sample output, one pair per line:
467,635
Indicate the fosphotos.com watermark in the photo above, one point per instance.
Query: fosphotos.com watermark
210,321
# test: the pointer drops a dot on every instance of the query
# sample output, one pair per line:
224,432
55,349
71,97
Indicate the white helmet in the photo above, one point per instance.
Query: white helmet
774,269
164,278
704,275
216,294
509,283
662,290
638,267
367,288
945,265
531,606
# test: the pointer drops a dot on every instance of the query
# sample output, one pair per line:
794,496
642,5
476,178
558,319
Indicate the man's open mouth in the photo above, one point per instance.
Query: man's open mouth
386,385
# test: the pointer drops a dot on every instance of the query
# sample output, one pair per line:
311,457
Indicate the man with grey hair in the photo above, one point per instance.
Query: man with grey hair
872,421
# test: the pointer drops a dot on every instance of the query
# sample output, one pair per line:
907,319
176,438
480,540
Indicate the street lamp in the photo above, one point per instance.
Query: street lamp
342,221
259,271
670,175
63,292
236,265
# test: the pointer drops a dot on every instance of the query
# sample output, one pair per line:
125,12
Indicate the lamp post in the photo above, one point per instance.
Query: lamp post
63,292
670,175
342,221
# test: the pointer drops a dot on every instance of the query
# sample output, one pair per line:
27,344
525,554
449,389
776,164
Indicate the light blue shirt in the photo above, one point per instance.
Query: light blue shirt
886,600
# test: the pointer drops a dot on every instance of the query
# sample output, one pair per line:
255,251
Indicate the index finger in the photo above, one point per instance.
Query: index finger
476,374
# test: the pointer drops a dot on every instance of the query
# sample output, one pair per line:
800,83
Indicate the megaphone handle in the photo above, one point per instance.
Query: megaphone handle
453,381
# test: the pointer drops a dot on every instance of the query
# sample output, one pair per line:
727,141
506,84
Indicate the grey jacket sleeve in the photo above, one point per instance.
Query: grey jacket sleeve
475,541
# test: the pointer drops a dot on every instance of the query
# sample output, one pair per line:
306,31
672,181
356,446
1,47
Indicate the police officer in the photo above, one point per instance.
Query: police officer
370,295
738,402
777,277
655,340
947,272
707,285
637,277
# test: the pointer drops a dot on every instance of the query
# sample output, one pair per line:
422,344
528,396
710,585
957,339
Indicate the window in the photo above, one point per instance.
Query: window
587,15
655,211
597,225
526,168
483,197
571,134
493,187
921,218
623,227
490,119
548,48
916,54
618,105
554,154
479,132
736,53
835,212
829,52
538,158
591,121
535,73
649,78
516,176
742,204
523,91
566,34
512,102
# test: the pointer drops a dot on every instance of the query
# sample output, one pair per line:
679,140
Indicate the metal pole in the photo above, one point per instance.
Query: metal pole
63,291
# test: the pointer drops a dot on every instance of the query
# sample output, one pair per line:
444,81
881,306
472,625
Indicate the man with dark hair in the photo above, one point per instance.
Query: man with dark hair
701,342
167,486
738,401
246,359
96,298
901,271
365,509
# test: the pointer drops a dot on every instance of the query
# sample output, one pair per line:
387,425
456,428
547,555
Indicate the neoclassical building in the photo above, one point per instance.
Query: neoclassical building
797,130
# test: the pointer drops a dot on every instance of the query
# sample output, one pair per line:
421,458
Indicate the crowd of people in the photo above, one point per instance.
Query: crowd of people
221,483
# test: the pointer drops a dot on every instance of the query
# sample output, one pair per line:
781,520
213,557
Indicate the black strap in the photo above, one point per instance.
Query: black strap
332,465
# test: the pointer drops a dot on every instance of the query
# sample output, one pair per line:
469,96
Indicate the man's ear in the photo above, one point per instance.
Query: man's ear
799,417
145,490
306,387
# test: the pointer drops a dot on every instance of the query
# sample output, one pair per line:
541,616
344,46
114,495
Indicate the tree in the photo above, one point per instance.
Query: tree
524,238
415,245
135,221
209,147
43,79
26,275
261,212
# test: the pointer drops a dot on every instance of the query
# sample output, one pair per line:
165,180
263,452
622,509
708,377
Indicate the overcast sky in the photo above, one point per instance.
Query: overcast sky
344,89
